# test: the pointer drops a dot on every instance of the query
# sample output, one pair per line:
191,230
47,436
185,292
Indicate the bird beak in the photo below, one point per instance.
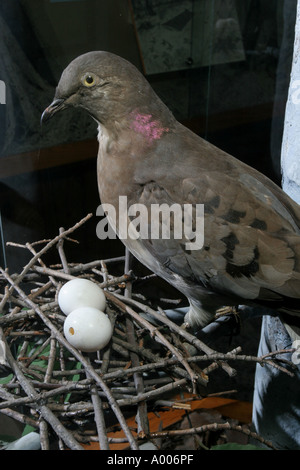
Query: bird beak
56,105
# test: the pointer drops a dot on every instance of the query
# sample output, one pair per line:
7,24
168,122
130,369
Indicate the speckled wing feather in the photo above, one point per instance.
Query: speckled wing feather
251,245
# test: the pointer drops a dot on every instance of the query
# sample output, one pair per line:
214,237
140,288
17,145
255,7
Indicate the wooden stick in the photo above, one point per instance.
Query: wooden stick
182,332
212,427
153,330
99,417
38,255
141,416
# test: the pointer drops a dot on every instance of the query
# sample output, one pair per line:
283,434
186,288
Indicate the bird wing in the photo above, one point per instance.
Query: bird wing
251,243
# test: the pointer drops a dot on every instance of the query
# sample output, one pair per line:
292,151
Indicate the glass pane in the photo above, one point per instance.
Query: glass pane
222,67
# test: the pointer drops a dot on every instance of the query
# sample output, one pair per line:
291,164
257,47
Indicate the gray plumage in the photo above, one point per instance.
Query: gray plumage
251,251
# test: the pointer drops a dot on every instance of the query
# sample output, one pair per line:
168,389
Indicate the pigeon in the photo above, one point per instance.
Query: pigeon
249,253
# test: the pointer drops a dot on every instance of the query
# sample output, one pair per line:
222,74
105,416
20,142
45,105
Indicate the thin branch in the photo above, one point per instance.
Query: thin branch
60,248
47,414
38,255
163,319
99,417
212,427
116,299
112,379
141,416
79,357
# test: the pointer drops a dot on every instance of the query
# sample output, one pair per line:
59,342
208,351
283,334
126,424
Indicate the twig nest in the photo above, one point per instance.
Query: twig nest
88,329
80,293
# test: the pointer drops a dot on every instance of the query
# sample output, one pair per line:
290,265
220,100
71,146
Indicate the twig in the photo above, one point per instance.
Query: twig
44,436
32,250
153,330
163,319
38,255
53,273
37,352
80,358
47,414
60,249
141,417
106,380
21,418
212,427
14,317
4,298
49,245
51,360
69,386
99,417
69,277
152,394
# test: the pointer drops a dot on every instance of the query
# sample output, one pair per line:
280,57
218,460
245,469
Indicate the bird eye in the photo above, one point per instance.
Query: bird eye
88,80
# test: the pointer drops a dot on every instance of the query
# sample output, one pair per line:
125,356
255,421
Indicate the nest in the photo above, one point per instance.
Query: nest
72,398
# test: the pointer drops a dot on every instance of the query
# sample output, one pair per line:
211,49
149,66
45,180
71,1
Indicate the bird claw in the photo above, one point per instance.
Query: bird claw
185,326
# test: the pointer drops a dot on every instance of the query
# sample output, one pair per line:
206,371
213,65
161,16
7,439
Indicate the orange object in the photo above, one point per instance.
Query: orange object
235,409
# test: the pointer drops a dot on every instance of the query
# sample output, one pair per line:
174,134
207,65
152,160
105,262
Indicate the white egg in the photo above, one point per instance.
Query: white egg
80,293
88,329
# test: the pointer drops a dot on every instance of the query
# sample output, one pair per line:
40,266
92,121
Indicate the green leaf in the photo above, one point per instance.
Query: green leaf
5,380
27,429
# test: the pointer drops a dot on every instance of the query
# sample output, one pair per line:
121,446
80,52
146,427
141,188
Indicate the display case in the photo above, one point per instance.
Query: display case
223,69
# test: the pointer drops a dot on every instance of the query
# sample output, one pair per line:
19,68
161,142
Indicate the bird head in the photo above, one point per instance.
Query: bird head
102,83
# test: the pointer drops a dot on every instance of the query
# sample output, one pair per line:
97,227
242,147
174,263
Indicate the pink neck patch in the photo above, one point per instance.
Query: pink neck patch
143,124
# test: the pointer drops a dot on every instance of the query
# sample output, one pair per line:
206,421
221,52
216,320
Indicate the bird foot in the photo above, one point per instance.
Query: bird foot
185,326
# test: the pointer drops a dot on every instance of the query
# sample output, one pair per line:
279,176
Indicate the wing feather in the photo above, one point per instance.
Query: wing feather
250,245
